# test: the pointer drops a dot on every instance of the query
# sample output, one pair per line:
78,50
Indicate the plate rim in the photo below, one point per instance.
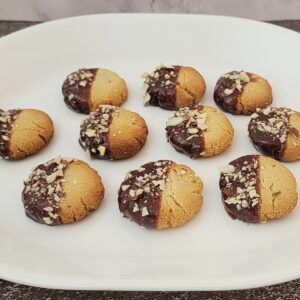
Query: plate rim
151,285
129,15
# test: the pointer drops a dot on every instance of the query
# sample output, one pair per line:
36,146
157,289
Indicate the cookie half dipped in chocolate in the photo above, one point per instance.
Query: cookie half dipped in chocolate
173,87
275,131
24,132
86,89
241,93
200,131
257,188
61,191
113,133
160,195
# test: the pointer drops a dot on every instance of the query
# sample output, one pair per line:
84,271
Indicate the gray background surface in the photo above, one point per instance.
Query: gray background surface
12,291
43,10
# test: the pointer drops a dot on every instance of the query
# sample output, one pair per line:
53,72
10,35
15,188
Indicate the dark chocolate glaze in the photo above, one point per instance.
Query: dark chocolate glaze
162,88
152,176
7,118
39,195
226,102
229,188
270,142
178,136
76,96
99,122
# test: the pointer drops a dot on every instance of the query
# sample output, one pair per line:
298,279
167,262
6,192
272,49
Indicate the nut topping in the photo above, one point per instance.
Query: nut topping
227,169
229,88
185,130
239,186
236,80
94,131
269,128
80,78
159,86
7,119
76,89
139,194
43,191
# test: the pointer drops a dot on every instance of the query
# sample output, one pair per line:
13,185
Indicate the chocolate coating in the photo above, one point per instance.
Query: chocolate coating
76,90
140,193
162,87
7,118
237,188
230,82
94,132
268,130
180,137
43,191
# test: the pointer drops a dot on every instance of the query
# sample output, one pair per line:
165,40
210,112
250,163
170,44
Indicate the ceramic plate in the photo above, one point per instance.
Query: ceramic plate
106,251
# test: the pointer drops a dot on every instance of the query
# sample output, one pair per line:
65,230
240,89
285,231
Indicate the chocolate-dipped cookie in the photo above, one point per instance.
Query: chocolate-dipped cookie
160,195
200,131
86,89
113,133
23,132
173,87
241,93
275,131
257,188
61,191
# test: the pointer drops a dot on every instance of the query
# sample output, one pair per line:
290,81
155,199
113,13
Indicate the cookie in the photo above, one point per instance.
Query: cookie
173,87
257,188
241,93
23,132
86,89
61,191
275,131
113,133
200,131
160,195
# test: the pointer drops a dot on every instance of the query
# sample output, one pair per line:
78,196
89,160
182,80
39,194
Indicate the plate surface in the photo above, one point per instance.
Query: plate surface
106,251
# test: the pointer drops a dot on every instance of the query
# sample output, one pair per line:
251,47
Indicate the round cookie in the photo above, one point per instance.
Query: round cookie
86,89
23,132
113,133
61,191
241,93
257,188
160,195
275,131
200,131
173,87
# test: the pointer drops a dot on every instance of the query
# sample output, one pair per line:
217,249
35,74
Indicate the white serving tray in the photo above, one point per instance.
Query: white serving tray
106,251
